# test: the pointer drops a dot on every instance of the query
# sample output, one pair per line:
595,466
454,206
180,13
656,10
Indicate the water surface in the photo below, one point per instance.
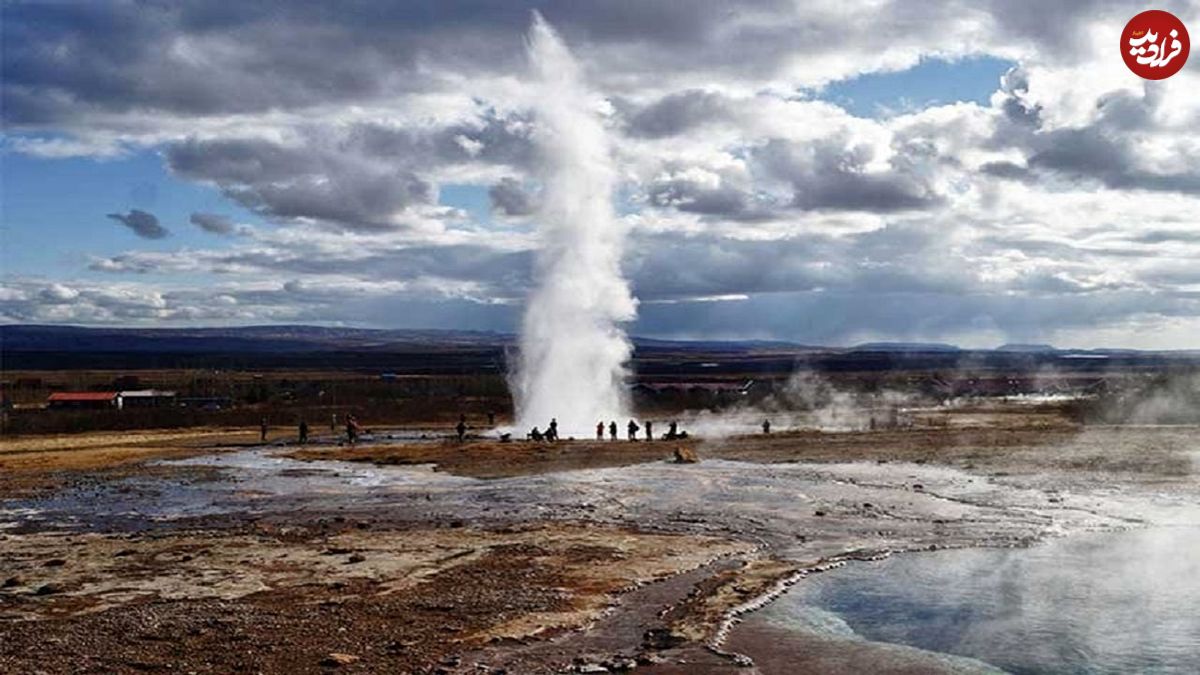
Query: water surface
1091,603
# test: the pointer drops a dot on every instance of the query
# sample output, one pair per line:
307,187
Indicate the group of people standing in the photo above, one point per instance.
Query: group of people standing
353,429
460,429
550,434
632,429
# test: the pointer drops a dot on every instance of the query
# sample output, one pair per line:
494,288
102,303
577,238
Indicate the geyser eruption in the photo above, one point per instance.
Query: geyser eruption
573,349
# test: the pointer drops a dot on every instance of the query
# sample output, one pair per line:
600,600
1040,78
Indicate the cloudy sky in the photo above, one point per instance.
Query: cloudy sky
827,172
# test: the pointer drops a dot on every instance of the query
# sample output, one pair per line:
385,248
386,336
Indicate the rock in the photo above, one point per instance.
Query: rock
620,664
591,668
819,514
48,589
661,638
124,552
396,646
335,659
684,455
55,562
356,558
12,581
647,659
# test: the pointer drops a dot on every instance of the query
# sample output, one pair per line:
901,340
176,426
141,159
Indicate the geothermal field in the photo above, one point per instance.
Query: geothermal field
977,535
566,495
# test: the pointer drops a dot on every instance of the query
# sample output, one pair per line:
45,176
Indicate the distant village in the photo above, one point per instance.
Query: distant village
89,400
221,392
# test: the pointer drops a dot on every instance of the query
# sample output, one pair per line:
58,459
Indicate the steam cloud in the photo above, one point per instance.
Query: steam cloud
573,347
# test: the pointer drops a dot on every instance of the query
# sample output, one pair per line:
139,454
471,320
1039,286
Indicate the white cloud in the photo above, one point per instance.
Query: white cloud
1073,193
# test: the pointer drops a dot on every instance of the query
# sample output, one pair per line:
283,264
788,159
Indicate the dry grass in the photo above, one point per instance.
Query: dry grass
32,463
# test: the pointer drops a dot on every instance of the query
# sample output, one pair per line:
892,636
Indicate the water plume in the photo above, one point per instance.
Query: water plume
574,351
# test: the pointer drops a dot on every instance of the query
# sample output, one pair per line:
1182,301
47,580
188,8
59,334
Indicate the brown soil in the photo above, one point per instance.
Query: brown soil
283,600
695,618
492,459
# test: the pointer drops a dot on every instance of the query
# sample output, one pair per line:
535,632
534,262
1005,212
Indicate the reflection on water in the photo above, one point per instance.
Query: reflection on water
1095,603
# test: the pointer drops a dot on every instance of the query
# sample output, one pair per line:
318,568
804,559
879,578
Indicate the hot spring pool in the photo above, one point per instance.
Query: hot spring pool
1125,602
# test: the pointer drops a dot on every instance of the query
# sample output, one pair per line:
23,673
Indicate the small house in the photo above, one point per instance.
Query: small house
83,400
145,398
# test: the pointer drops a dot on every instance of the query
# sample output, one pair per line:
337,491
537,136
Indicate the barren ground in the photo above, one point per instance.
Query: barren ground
574,555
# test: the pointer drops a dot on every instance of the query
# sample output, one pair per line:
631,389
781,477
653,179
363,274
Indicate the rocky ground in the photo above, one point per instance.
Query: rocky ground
585,556
292,598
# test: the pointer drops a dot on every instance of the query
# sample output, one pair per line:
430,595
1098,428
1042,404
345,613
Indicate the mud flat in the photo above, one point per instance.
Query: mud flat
415,557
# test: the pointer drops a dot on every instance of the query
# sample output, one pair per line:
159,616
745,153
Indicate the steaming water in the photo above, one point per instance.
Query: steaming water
573,349
1094,603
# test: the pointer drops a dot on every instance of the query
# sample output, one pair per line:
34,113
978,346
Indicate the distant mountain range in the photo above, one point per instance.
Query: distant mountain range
297,339
245,339
905,347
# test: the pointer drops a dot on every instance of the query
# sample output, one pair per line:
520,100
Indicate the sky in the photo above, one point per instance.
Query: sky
821,172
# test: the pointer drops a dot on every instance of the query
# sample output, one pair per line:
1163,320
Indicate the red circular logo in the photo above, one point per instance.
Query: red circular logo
1155,44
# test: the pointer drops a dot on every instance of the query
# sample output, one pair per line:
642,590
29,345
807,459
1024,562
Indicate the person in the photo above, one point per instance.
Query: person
633,428
600,430
262,430
552,430
766,425
303,432
491,419
461,428
535,435
612,430
672,431
333,423
351,429
649,430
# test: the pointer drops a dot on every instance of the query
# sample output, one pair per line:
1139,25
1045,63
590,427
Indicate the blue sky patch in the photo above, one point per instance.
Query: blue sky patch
930,82
66,201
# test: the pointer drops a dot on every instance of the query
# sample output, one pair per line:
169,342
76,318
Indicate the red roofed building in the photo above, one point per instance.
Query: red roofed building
82,400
